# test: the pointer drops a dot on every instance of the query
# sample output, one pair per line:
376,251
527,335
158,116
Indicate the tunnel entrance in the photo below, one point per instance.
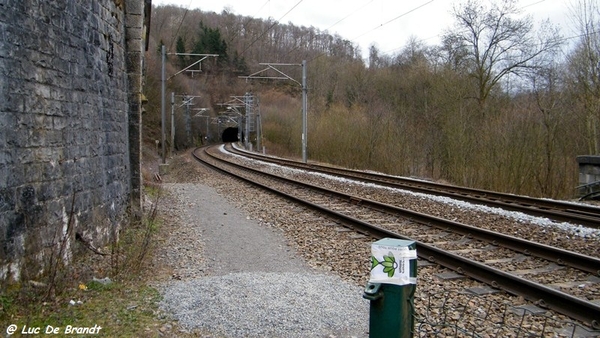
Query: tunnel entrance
230,135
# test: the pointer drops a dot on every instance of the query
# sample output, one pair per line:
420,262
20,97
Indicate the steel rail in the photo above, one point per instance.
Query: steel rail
556,210
560,256
542,295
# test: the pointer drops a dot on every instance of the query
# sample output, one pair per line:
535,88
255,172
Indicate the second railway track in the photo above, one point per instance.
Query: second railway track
577,213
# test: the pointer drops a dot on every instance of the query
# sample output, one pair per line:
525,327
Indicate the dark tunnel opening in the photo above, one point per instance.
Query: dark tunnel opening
230,135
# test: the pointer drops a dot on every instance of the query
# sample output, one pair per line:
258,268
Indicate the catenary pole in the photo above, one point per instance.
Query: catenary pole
172,123
304,113
162,103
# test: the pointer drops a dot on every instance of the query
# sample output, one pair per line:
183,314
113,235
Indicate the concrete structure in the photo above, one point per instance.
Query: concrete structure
589,175
70,126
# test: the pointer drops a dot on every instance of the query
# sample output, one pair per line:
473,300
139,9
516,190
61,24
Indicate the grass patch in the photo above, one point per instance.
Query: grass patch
121,309
153,191
120,301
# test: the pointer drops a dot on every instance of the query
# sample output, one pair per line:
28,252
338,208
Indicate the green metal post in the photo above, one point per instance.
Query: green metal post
391,288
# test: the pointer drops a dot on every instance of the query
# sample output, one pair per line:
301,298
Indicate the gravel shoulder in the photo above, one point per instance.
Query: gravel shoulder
223,273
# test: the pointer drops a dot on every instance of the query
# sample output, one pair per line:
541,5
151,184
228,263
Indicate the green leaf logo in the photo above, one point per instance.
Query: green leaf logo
374,262
389,264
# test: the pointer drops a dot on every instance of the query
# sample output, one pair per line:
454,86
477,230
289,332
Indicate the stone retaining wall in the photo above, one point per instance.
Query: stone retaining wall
70,115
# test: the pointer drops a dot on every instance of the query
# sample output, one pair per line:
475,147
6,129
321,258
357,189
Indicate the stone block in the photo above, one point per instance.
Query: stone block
134,21
134,6
6,156
7,200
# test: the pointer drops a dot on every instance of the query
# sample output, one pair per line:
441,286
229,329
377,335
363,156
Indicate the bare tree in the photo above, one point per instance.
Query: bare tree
584,70
547,94
497,43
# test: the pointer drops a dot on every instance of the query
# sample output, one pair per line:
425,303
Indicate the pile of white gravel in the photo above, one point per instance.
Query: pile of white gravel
267,304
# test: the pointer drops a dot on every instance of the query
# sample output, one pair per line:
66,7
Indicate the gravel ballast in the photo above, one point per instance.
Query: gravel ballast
247,282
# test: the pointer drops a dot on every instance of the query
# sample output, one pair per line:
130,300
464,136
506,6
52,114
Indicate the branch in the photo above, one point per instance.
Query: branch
88,244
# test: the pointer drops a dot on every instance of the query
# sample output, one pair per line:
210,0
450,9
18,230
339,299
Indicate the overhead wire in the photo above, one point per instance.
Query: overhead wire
334,24
381,25
394,19
261,7
250,18
270,27
328,28
437,35
173,38
291,9
535,3
349,15
580,35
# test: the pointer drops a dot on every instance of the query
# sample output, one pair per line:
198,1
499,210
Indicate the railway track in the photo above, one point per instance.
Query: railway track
547,276
575,213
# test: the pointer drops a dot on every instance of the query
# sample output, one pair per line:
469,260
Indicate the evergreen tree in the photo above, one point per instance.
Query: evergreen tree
210,42
180,48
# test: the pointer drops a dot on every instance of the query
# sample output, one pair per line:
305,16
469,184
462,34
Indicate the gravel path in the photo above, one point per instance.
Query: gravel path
234,277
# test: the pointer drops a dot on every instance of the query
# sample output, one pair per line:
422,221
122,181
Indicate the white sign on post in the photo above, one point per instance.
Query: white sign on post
390,264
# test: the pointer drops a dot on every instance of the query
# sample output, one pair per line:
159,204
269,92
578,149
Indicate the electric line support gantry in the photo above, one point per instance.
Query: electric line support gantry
232,109
163,81
187,101
284,76
249,121
207,136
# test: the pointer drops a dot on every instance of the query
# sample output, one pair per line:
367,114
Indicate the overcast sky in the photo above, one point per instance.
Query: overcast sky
387,24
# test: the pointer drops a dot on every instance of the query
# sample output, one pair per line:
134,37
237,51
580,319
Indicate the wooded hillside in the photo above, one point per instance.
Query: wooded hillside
501,104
